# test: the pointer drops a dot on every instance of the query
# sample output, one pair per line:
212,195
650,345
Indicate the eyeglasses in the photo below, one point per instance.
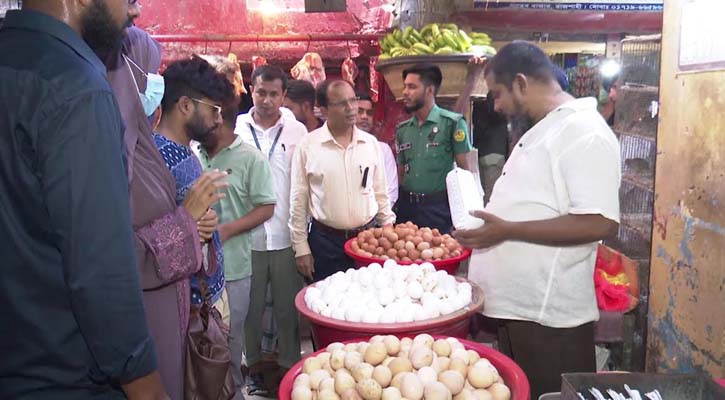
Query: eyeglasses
214,106
349,102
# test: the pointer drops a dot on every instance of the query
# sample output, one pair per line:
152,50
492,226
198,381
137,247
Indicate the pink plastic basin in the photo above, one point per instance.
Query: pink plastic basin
449,265
511,373
328,330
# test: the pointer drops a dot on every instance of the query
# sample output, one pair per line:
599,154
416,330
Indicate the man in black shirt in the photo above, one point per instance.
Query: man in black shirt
491,138
72,324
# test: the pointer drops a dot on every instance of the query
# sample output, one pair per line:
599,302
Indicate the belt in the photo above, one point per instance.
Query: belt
346,233
418,198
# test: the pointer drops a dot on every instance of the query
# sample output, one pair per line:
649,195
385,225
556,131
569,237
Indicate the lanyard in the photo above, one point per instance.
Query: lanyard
256,140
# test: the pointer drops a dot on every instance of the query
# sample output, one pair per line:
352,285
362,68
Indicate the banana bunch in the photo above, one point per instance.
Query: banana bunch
432,39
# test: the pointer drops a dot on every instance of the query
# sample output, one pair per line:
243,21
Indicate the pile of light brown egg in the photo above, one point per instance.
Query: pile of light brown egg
406,243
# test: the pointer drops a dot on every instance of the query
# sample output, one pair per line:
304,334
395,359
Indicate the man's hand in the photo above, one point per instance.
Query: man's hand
493,232
477,61
148,387
225,232
306,266
207,225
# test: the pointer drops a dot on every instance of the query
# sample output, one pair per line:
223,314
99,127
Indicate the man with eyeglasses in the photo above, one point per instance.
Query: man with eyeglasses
339,180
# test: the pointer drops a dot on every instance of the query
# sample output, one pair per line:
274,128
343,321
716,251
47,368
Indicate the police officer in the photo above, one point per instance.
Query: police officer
428,144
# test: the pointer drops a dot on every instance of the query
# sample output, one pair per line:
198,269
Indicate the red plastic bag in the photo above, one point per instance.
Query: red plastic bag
615,281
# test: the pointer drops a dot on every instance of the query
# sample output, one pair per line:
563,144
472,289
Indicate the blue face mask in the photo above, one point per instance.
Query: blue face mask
151,98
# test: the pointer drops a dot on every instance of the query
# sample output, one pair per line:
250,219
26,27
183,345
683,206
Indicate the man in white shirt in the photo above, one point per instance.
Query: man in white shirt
365,113
275,134
337,179
556,198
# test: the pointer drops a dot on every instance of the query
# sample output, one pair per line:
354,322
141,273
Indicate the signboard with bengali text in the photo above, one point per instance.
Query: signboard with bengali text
572,5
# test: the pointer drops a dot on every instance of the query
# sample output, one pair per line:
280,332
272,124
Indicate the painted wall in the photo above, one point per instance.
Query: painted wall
687,299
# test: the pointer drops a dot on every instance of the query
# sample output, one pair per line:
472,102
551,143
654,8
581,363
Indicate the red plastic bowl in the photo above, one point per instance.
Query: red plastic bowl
513,376
328,330
449,265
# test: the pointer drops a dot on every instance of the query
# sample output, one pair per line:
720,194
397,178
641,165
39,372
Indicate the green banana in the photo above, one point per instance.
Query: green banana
427,30
406,33
445,50
383,56
440,41
424,48
462,34
397,35
481,42
450,39
489,50
384,46
479,35
435,30
416,36
397,51
452,27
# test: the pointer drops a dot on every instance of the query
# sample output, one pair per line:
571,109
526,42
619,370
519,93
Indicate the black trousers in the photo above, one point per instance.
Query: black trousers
328,252
545,353
431,214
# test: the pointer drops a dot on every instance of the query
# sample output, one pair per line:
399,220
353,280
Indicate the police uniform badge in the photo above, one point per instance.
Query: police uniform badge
460,135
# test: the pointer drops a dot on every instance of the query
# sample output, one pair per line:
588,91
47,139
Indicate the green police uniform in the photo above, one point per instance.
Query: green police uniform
427,153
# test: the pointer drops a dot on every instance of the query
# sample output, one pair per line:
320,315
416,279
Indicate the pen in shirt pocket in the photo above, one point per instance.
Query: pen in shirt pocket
365,177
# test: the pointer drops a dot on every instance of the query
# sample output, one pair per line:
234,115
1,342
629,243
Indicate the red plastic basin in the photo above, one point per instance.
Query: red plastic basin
328,330
513,376
449,265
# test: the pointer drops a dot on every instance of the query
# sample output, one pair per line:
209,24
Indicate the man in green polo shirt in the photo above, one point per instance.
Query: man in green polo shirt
428,144
249,202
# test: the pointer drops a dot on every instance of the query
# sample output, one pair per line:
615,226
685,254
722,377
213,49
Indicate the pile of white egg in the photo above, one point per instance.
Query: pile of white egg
388,293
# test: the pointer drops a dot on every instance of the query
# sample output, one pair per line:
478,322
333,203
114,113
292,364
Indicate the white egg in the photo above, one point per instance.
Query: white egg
400,273
389,264
429,282
330,294
372,304
365,278
354,314
464,287
415,290
337,277
375,267
382,280
404,301
426,266
414,274
326,312
447,307
415,265
419,313
403,315
321,285
386,296
427,297
339,313
432,310
335,301
441,274
448,283
387,317
313,292
350,271
400,288
439,293
318,305
354,291
371,316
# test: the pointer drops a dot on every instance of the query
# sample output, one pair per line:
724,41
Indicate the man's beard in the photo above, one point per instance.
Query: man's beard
415,107
100,31
519,122
198,131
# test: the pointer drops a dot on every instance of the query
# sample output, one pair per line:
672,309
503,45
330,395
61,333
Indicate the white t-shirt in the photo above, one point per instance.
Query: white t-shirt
568,163
274,234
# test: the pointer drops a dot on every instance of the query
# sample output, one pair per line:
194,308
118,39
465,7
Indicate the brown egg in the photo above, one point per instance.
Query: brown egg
426,254
409,246
456,253
367,254
373,242
414,254
399,244
384,243
379,251
392,253
451,244
438,253
377,232
354,245
406,259
390,235
436,241
427,237
408,238
402,253
417,240
423,246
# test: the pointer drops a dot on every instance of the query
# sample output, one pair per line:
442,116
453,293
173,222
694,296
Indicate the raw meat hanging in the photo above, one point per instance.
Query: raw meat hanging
349,71
310,68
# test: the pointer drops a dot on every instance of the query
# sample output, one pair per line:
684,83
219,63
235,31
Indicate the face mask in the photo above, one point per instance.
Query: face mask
151,98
